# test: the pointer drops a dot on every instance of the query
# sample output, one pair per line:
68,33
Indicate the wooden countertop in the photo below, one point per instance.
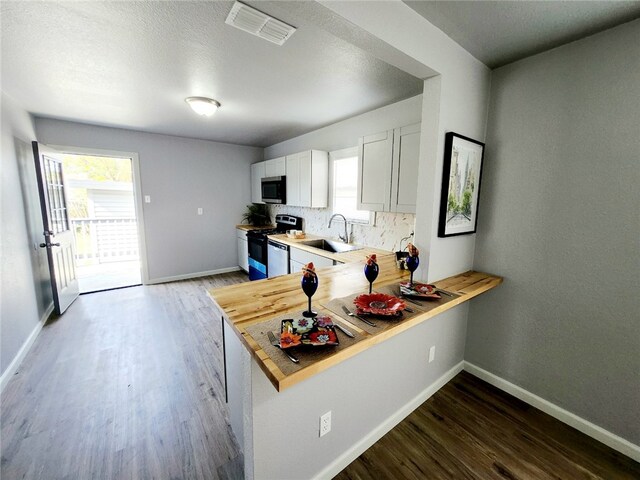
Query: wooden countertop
246,304
344,257
244,226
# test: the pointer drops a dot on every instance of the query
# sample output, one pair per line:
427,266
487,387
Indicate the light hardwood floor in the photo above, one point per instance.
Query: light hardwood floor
128,384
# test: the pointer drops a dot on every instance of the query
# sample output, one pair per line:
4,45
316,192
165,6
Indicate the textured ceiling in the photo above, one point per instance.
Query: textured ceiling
501,32
131,64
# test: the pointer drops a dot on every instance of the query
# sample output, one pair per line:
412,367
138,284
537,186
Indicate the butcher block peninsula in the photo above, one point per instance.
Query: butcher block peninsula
275,404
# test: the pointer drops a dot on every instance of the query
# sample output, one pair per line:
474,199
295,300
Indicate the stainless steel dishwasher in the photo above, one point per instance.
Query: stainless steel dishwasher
278,259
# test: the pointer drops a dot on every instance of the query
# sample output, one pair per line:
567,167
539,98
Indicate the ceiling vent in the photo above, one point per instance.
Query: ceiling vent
257,23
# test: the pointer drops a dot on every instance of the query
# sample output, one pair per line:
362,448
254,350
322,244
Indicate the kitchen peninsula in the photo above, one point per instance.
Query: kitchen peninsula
275,414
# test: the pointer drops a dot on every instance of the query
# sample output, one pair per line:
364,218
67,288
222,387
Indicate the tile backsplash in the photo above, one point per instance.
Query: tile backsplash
385,234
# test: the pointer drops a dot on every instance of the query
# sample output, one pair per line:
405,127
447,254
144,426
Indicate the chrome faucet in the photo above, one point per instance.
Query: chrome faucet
345,239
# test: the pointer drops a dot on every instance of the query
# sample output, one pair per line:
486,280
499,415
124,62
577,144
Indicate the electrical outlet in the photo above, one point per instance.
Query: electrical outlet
199,210
325,423
432,353
147,199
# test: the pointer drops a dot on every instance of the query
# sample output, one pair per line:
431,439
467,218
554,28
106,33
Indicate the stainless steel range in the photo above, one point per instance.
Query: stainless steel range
258,246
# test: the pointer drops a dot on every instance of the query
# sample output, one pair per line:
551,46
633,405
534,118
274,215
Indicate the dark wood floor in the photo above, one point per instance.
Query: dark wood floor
471,430
127,384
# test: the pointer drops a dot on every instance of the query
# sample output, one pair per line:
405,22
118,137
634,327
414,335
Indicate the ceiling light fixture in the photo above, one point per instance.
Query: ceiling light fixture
203,105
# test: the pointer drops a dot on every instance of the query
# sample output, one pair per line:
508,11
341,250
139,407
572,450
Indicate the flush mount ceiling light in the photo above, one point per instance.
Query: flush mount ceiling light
259,24
203,105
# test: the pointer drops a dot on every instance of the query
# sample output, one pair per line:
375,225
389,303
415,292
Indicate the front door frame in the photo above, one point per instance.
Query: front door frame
137,193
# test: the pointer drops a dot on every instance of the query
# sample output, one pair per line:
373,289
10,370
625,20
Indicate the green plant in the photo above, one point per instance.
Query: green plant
466,203
257,214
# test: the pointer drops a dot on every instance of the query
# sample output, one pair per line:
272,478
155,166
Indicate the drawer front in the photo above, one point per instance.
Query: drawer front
304,257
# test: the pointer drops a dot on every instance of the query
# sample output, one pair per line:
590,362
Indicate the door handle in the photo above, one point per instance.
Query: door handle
45,245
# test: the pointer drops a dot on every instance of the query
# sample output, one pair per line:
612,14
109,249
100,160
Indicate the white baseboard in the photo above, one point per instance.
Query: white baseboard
187,276
594,431
26,346
377,433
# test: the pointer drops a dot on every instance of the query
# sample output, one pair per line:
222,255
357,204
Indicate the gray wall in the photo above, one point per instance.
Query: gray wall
559,219
455,100
345,133
25,293
389,227
180,175
363,393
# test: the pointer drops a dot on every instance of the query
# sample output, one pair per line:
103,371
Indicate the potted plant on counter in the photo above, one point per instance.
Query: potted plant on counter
257,214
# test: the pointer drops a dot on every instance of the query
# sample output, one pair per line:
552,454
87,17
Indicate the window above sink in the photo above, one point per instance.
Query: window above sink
344,165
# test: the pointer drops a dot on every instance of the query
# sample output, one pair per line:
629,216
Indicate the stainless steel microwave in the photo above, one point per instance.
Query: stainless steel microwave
274,189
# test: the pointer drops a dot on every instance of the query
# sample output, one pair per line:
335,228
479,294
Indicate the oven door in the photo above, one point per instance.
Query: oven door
257,244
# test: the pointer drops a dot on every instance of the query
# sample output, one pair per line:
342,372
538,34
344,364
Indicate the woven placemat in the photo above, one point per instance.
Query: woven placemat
308,355
381,322
422,305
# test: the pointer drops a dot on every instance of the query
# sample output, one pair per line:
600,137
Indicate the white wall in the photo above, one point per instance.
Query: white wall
363,393
456,100
389,227
25,293
559,219
369,389
180,175
345,134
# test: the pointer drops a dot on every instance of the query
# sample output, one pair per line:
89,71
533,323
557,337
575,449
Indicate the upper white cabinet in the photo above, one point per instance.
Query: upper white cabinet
388,170
404,172
257,173
275,167
375,153
308,179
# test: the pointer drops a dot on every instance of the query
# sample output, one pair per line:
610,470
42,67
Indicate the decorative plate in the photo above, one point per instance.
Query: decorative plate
316,332
379,304
421,290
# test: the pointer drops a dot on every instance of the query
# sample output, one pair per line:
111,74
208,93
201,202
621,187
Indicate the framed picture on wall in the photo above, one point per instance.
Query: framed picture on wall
461,176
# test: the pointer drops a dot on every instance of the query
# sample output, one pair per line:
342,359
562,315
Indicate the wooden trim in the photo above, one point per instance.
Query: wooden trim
594,431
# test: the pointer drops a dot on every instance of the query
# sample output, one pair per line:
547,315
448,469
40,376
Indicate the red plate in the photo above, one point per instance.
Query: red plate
379,304
317,332
418,290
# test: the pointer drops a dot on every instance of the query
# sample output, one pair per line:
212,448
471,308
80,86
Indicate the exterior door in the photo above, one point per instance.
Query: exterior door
58,236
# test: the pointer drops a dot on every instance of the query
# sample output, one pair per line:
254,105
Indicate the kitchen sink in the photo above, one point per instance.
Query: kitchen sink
331,246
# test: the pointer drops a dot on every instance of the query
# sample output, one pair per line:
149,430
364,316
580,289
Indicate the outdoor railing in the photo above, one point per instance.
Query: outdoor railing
100,240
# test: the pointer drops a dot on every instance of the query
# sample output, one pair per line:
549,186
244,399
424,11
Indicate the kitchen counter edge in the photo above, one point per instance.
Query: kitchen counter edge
250,303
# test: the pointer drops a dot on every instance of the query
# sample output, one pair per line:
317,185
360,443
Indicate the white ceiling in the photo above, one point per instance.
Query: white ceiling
131,64
501,32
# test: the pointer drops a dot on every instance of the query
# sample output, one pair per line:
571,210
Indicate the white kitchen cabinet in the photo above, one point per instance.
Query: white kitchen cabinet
375,154
257,174
404,173
298,258
275,167
243,249
308,179
295,267
388,170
